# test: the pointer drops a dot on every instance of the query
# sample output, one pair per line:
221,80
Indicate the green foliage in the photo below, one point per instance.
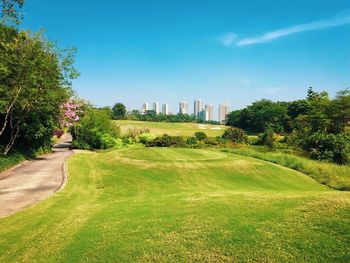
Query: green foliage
135,132
192,141
267,138
146,138
201,136
151,116
329,147
260,115
95,130
235,135
119,111
35,80
9,11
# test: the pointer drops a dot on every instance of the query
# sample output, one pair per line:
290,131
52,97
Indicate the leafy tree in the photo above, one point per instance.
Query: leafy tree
9,11
339,111
35,80
260,115
119,111
235,135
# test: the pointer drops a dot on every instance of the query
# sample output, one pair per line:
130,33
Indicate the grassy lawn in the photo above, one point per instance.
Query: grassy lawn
167,204
173,129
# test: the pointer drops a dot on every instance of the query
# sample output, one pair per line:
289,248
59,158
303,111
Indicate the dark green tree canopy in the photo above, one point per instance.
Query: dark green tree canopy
119,111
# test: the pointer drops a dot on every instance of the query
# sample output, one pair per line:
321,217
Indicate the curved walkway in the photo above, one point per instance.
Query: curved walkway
35,180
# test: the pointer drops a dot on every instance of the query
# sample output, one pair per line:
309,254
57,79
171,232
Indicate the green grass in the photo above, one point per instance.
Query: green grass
15,157
167,204
332,175
173,129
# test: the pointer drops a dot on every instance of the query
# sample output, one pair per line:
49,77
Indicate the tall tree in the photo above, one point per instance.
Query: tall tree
35,80
119,111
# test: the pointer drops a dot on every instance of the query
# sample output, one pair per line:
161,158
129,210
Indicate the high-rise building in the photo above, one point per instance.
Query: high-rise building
224,109
144,108
165,109
209,112
156,107
198,108
183,107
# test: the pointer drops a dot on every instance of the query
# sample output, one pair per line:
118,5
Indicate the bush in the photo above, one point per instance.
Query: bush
163,141
212,141
107,141
95,130
267,138
235,135
200,136
146,138
135,132
192,141
329,147
77,144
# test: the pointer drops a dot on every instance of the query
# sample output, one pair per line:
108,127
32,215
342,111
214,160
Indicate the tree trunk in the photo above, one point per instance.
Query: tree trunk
8,111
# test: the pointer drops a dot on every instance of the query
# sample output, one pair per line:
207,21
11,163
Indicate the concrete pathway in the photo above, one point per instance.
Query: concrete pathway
34,180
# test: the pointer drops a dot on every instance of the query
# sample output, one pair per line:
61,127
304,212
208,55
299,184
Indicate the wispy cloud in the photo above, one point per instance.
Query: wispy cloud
340,19
228,39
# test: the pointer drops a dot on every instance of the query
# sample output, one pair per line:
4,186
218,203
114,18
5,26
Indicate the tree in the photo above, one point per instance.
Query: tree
119,111
9,11
260,115
35,81
235,135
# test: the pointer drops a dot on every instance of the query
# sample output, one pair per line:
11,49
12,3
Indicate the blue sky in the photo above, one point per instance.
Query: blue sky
132,51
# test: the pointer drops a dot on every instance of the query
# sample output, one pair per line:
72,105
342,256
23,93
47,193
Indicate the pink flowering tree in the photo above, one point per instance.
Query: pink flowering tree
70,112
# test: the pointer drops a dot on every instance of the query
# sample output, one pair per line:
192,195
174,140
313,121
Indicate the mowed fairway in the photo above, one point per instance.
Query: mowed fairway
167,204
173,129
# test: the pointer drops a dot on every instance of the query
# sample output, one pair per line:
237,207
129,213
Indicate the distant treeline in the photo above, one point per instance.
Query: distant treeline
317,124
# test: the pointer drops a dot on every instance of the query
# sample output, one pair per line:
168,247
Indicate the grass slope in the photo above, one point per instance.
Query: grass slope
181,205
174,129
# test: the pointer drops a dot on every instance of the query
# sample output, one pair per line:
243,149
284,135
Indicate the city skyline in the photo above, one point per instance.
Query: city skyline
201,111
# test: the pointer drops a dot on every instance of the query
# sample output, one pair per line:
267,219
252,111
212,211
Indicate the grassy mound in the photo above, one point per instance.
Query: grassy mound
182,205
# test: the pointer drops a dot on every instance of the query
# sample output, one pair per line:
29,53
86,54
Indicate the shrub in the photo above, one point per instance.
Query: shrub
135,132
267,138
200,136
77,144
192,141
163,141
107,141
211,141
146,138
235,135
95,130
329,147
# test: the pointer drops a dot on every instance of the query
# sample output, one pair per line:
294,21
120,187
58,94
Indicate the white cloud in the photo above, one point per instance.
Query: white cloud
228,39
342,18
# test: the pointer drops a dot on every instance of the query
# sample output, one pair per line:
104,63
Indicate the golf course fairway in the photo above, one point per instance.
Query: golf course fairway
180,205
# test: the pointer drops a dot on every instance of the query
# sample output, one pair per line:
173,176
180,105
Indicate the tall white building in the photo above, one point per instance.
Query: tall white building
198,108
209,112
144,108
165,109
183,107
224,109
156,107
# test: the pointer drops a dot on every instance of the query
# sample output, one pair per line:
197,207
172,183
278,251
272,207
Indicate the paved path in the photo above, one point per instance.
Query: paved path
34,180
